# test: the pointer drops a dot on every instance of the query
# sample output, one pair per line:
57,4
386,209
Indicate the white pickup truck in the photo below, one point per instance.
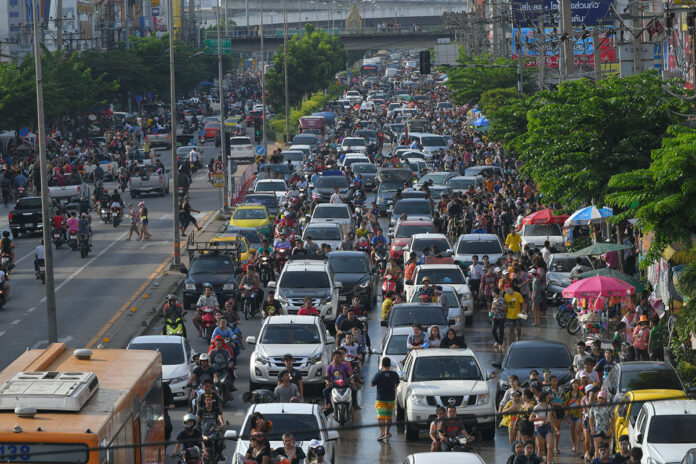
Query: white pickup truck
68,191
108,164
148,179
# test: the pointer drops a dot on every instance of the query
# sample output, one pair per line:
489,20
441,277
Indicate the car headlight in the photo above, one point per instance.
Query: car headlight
365,284
261,359
228,287
379,200
190,286
397,248
324,301
316,359
419,400
466,296
504,384
482,399
180,379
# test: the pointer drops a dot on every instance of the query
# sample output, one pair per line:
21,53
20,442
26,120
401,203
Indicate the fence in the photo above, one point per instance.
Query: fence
242,184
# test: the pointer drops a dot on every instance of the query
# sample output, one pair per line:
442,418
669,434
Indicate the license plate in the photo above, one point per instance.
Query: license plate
114,214
42,269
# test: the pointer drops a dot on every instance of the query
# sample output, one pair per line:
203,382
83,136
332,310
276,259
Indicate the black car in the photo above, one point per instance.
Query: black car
324,187
524,356
640,375
392,131
357,274
425,314
26,217
217,269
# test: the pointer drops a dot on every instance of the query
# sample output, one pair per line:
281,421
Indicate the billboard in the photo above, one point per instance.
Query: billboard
525,41
587,12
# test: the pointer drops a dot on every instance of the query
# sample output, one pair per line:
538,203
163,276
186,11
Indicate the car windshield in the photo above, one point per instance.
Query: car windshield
332,181
305,279
236,141
436,193
388,188
366,133
69,181
250,213
648,379
270,187
172,353
419,244
462,183
212,266
422,316
535,230
397,344
269,201
567,264
251,235
479,247
293,156
537,358
438,178
323,233
405,230
442,276
431,368
414,207
433,141
363,168
344,264
354,142
290,334
672,429
396,128
304,140
303,427
338,212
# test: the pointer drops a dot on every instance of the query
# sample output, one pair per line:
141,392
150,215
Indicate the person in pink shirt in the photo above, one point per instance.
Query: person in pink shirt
641,335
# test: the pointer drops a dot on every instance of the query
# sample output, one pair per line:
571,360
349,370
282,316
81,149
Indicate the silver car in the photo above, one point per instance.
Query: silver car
558,276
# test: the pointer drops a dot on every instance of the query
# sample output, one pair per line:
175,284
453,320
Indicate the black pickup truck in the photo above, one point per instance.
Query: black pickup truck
26,216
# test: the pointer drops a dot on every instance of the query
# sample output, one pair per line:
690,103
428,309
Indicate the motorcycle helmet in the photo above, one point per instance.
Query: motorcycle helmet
204,357
172,297
208,285
189,418
316,448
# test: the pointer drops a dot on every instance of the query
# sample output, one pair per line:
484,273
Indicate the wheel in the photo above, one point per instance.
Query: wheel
43,278
83,252
573,326
247,309
166,190
133,194
399,412
411,432
488,432
469,320
161,192
563,317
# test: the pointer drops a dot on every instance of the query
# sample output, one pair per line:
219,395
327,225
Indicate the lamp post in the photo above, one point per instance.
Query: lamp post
285,71
263,81
223,135
172,116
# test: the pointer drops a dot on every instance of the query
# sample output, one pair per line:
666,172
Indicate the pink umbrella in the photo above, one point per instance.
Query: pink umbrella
598,286
544,216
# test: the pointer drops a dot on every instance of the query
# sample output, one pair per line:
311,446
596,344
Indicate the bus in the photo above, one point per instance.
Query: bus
81,407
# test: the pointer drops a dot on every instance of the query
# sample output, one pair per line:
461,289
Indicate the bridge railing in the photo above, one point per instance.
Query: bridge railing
274,32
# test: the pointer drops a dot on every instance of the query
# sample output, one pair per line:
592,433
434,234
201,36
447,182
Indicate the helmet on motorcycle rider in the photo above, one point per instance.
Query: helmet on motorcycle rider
172,297
207,285
141,203
316,447
204,357
189,418
84,215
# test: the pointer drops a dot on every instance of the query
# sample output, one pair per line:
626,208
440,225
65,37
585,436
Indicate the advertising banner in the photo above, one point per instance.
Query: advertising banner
525,41
587,12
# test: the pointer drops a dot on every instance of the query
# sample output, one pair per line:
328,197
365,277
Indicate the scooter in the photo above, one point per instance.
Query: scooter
208,321
84,245
265,270
105,216
58,238
41,274
341,401
247,298
389,284
72,240
381,259
6,262
116,215
460,443
281,258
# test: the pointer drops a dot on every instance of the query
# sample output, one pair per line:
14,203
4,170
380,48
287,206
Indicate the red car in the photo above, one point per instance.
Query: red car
403,232
253,116
211,129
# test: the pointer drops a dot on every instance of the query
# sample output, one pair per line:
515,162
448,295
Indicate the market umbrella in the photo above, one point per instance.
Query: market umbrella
597,286
544,216
600,248
588,215
609,272
481,122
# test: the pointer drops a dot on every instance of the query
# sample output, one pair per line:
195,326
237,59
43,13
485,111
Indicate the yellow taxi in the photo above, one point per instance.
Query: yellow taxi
232,239
252,215
233,121
630,406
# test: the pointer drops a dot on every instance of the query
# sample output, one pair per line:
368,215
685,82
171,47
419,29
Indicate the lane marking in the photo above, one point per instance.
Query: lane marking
32,309
2,333
135,296
15,322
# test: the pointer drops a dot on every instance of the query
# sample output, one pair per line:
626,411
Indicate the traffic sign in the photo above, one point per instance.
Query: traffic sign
139,98
149,95
260,150
219,180
211,46
23,131
218,167
155,11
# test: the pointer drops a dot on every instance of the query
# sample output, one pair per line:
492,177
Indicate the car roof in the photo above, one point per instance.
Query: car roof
283,408
400,330
415,223
564,256
655,393
407,306
323,225
287,319
426,267
537,344
347,254
669,407
306,264
428,235
478,237
173,339
446,458
644,365
430,352
413,200
467,178
251,206
330,205
240,137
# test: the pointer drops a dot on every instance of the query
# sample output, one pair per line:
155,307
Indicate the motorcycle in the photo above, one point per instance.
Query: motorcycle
123,182
265,270
381,257
363,244
181,191
247,297
58,238
208,321
460,443
213,445
21,191
341,401
6,262
41,274
389,284
105,216
191,455
72,240
116,215
84,245
3,297
281,258
223,385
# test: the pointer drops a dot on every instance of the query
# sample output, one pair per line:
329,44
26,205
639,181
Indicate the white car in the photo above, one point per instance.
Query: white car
305,337
334,213
304,420
535,235
324,232
439,274
418,242
242,148
353,96
444,377
293,157
276,186
147,179
460,307
354,144
664,430
470,245
176,359
443,458
393,346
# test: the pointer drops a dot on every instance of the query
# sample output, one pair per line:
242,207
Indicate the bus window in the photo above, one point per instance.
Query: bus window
152,422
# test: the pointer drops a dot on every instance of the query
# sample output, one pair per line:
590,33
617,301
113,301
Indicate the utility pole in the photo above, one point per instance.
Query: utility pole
125,15
227,32
541,63
223,136
246,4
568,65
263,82
637,55
597,55
172,135
285,72
519,64
59,25
51,313
494,25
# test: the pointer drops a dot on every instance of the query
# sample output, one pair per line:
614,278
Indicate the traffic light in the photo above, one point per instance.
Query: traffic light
424,62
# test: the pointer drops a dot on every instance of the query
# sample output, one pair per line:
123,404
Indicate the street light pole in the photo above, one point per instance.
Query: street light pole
285,71
172,135
223,135
263,81
51,313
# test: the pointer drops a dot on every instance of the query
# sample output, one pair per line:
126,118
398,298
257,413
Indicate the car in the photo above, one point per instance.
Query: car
640,375
353,96
403,230
27,216
370,137
445,106
217,269
664,430
324,233
252,215
177,358
444,377
305,337
394,346
367,172
148,179
357,274
461,184
416,209
275,186
631,403
523,356
242,149
425,314
485,171
307,139
211,129
353,144
469,245
439,274
419,241
304,277
431,143
534,236
438,191
294,158
352,158
559,267
274,171
411,194
334,213
269,200
253,116
324,186
392,131
233,121
251,234
306,149
417,165
305,421
460,307
385,194
234,241
443,458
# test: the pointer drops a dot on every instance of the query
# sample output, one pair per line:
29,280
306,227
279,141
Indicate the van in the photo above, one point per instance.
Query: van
391,72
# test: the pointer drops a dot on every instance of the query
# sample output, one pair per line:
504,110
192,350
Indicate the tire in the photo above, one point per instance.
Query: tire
133,194
562,317
161,193
411,432
43,278
83,251
488,432
400,413
469,321
573,326
247,309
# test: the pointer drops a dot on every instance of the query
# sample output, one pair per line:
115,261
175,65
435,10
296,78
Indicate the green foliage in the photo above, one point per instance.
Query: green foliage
510,121
313,104
492,100
685,325
313,60
687,372
582,134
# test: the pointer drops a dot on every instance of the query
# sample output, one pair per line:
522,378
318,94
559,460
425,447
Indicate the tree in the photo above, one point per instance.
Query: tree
509,121
492,100
582,134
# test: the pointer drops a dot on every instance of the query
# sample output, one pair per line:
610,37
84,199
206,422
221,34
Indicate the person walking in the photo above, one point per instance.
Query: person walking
641,336
135,220
144,221
386,382
185,216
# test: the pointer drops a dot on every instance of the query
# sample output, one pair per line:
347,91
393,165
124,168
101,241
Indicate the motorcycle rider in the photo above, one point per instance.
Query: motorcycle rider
282,242
379,244
209,417
231,333
58,222
184,182
198,375
194,156
271,307
308,308
451,427
189,437
84,229
251,277
209,299
6,246
39,256
221,359
338,369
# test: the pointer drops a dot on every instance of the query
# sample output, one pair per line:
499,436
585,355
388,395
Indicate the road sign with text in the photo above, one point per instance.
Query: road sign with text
211,46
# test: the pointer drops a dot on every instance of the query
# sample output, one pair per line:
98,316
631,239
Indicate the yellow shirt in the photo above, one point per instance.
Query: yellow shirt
386,307
513,242
514,303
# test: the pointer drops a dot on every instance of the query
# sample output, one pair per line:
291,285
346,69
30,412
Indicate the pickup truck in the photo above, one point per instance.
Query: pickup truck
69,192
147,180
26,216
107,163
159,139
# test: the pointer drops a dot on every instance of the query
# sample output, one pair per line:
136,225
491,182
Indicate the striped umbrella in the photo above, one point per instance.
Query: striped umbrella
588,215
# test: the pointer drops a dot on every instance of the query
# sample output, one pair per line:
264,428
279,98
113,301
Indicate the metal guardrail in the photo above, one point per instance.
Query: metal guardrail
242,33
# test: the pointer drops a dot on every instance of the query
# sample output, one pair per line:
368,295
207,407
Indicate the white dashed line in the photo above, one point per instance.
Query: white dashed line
15,322
32,309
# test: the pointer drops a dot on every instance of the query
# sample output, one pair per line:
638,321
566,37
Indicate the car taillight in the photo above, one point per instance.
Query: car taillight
10,216
147,137
79,189
166,136
160,178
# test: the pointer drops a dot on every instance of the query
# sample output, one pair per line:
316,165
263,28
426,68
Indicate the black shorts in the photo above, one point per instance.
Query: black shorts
601,435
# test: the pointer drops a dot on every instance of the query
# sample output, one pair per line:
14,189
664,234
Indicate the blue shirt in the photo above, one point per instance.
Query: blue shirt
20,180
227,333
83,226
377,240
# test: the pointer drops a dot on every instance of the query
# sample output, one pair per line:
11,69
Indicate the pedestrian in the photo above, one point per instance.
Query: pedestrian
144,234
571,400
641,336
386,382
185,216
135,220
509,411
537,296
601,422
515,307
289,452
498,312
655,344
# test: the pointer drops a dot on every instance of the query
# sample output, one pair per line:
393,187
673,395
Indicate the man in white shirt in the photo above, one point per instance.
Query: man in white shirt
194,156
39,255
546,251
335,197
475,274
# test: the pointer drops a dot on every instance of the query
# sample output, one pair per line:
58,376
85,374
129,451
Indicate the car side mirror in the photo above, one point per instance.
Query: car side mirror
390,235
491,375
330,340
497,364
402,376
251,340
230,434
409,282
451,321
183,270
272,284
383,323
639,438
332,435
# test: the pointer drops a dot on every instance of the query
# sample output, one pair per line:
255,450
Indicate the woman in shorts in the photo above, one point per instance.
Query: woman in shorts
541,417
572,399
